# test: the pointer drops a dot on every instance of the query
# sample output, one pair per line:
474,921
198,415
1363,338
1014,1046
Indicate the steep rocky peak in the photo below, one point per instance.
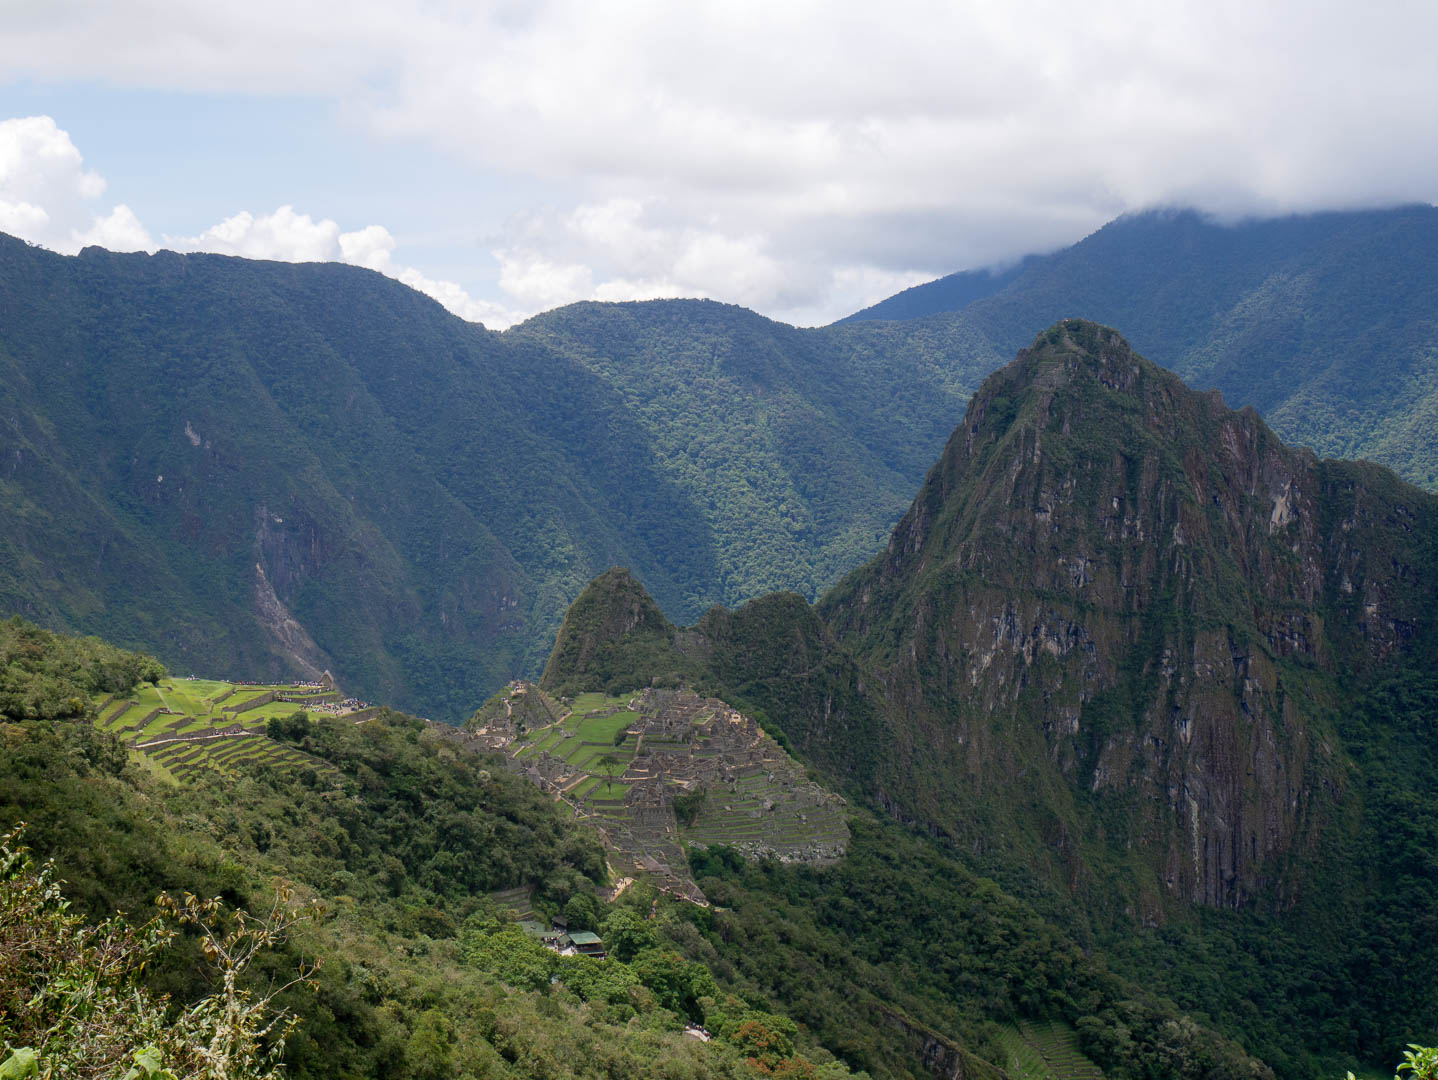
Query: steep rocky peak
1147,589
614,626
1080,420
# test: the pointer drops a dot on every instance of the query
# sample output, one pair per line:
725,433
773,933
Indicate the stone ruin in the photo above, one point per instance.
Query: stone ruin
753,796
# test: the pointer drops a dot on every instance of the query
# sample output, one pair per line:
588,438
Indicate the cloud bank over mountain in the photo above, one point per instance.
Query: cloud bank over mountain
802,158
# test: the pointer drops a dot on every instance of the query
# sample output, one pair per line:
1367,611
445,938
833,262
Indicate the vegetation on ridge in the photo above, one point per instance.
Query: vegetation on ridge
1107,585
419,975
1320,321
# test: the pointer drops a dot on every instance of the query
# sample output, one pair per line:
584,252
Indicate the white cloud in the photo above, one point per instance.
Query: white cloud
369,247
283,235
47,196
784,155
119,230
288,236
23,219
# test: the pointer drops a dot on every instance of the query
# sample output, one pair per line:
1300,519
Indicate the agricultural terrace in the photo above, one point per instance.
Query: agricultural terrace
182,726
1045,1051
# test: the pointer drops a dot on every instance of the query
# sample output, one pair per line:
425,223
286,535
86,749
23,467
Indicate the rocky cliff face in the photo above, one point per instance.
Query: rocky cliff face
1117,616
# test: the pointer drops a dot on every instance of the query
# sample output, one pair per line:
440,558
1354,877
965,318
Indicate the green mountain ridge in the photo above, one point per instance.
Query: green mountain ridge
1323,322
281,469
1134,655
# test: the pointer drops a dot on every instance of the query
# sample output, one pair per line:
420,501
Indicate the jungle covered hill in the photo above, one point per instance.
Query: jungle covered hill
400,850
1149,668
279,469
282,469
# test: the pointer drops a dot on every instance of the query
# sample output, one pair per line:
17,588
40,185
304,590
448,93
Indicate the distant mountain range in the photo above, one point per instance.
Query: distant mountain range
1325,323
277,469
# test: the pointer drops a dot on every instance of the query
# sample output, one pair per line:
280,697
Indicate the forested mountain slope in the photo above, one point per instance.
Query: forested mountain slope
1325,323
397,837
282,468
799,448
279,469
1129,652
411,840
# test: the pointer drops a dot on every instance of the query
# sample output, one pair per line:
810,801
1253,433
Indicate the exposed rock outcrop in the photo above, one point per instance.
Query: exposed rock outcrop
1138,603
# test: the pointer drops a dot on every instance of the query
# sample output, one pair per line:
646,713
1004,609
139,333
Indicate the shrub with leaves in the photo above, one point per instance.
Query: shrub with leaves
72,1006
1419,1062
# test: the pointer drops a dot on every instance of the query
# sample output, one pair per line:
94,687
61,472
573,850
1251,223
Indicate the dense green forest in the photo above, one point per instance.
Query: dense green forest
868,965
420,974
278,469
1253,839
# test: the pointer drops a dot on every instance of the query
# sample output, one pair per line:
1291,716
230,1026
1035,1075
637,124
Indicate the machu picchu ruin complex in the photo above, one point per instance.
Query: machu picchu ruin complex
659,769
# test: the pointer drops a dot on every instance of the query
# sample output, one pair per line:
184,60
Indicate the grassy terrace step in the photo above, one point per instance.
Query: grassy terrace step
584,787
180,712
1057,1044
1023,1061
121,719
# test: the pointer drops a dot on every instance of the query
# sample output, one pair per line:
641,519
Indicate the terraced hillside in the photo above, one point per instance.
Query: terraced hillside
1050,1049
658,769
183,726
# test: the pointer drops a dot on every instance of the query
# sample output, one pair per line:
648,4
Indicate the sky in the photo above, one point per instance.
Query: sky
803,159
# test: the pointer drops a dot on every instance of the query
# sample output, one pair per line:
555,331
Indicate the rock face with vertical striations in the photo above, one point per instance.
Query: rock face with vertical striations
1109,641
1117,617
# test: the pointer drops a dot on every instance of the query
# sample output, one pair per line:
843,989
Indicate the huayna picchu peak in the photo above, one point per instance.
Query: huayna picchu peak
1115,625
1145,604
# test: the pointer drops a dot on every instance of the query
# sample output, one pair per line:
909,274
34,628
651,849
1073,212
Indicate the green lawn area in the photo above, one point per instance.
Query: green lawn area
248,694
587,758
148,697
604,728
612,769
203,688
584,788
611,791
586,703
578,754
116,721
552,738
274,708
